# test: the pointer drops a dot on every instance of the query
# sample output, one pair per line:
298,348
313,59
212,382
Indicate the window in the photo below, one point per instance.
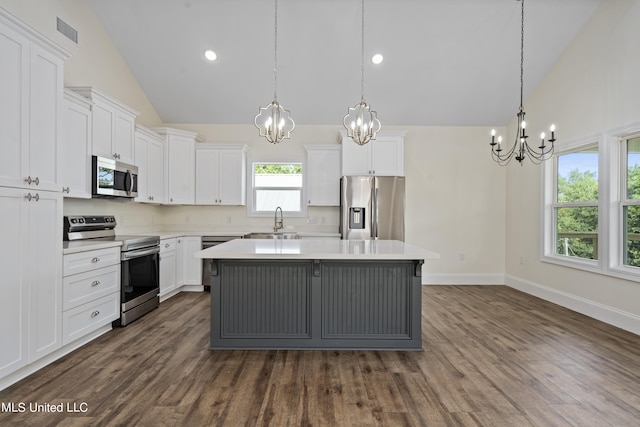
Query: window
275,185
576,203
591,209
630,202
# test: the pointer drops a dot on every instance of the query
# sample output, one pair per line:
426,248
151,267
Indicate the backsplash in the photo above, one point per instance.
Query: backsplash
145,218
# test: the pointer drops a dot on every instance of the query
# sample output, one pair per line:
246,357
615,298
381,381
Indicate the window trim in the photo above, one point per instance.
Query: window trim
616,266
549,225
251,160
611,164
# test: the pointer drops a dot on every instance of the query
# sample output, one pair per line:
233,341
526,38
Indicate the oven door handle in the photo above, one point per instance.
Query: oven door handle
139,253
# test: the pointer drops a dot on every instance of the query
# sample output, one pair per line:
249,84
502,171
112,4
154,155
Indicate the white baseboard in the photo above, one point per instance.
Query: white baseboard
463,279
621,319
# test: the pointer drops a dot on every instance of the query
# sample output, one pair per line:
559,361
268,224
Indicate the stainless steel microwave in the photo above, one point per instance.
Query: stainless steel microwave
111,178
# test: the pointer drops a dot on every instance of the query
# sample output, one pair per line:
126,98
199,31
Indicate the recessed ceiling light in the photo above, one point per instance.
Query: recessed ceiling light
210,55
377,58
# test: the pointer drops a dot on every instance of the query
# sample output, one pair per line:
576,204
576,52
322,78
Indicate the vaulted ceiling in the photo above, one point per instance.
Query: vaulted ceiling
447,62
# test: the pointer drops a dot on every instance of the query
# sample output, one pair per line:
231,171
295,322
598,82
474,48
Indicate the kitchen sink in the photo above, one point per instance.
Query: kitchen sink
276,235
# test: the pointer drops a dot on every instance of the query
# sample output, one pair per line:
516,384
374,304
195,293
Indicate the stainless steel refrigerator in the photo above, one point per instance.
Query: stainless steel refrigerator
372,207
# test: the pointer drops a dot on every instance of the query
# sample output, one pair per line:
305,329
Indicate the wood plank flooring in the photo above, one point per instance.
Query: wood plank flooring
493,357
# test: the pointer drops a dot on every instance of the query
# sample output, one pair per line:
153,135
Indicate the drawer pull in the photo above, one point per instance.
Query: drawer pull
28,180
166,245
28,196
37,180
95,313
95,259
95,283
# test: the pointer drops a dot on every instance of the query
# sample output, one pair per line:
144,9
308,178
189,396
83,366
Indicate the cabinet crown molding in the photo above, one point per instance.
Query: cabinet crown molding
149,133
166,131
207,145
95,94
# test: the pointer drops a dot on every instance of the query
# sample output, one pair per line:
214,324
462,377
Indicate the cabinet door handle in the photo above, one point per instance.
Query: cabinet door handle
166,245
37,180
95,259
28,180
95,313
28,196
95,283
37,197
65,190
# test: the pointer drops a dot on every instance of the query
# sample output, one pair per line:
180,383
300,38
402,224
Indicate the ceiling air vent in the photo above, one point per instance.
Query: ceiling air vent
67,30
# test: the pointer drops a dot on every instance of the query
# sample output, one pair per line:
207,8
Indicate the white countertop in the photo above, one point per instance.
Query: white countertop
316,249
88,245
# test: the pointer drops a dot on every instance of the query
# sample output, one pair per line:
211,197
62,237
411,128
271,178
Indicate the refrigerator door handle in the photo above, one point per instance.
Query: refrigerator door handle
374,214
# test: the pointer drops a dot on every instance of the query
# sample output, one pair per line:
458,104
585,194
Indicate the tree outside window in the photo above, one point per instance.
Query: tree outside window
631,203
576,205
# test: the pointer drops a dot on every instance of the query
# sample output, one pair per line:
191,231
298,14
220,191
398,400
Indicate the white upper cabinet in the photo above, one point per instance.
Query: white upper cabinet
76,146
221,174
383,156
179,161
31,84
324,168
113,126
149,157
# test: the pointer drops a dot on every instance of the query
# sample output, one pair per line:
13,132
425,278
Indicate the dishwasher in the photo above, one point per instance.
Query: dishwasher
207,242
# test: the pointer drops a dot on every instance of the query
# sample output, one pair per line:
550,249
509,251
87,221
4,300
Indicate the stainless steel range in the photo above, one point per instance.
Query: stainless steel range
139,269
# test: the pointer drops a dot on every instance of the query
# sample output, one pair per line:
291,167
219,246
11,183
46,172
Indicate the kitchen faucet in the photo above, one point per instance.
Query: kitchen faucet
277,225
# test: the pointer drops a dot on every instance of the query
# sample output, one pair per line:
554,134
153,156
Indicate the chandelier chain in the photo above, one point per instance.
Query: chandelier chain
521,55
362,56
275,53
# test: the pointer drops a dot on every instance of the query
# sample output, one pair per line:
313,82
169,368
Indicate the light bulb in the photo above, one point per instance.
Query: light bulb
493,132
210,55
524,124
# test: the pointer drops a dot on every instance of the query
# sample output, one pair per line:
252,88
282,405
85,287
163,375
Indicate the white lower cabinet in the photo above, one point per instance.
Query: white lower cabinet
91,291
168,259
189,267
30,262
179,269
86,318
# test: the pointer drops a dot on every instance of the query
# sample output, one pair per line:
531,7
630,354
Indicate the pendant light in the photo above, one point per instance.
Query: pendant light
274,121
361,121
521,148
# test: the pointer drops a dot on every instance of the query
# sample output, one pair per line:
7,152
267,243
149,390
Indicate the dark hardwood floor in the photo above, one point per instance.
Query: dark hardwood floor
493,357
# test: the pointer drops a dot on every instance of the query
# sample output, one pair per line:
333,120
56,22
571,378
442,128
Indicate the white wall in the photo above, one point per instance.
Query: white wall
593,88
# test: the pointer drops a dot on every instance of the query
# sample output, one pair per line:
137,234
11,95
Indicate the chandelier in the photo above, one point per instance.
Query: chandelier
521,149
361,121
274,121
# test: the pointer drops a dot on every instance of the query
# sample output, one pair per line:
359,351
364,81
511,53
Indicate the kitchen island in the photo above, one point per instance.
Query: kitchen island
316,294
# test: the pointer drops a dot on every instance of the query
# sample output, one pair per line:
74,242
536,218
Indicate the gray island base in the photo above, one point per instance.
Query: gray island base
316,294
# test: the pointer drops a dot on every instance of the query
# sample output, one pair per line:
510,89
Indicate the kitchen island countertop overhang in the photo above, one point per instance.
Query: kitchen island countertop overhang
327,249
316,294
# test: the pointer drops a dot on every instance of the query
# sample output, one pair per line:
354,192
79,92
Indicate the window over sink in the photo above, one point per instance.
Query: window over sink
277,184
